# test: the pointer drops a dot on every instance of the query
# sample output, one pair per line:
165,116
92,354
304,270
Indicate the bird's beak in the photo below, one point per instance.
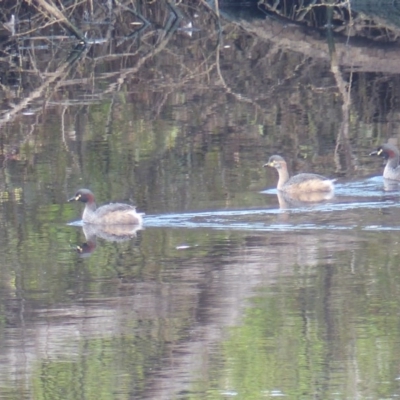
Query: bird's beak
268,165
376,152
75,198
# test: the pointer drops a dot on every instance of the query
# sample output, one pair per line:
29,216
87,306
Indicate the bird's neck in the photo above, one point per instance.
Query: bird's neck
392,168
283,177
89,210
393,162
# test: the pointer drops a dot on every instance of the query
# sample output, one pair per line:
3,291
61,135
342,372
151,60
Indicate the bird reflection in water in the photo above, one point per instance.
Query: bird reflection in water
302,199
287,202
110,233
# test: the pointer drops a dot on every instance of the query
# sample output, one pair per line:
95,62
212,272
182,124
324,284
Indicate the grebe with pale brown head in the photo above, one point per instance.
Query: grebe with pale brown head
300,183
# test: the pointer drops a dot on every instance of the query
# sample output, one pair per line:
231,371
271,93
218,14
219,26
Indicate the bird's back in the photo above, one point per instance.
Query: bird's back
115,214
308,183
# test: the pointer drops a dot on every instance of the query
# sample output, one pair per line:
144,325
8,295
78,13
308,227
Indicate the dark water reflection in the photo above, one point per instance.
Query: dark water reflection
228,291
225,316
236,313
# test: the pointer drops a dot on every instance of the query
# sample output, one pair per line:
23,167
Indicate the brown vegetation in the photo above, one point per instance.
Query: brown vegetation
80,52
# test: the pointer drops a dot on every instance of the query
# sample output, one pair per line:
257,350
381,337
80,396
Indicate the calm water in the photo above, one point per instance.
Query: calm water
228,291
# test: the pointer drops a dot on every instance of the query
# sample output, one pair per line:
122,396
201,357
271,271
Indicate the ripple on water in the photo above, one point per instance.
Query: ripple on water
355,197
370,187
